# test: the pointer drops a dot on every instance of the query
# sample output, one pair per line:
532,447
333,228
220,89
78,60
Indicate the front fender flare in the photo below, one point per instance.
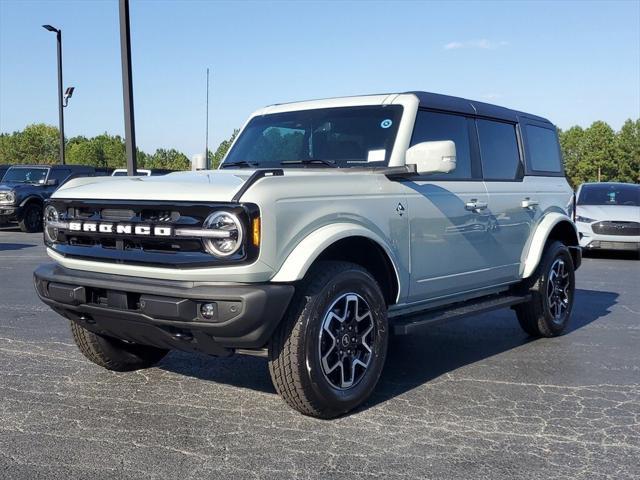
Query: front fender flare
309,249
539,240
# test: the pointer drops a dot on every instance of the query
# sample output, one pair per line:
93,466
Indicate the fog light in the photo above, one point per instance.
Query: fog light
208,310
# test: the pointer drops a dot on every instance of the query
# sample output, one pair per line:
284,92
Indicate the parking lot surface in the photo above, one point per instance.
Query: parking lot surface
472,399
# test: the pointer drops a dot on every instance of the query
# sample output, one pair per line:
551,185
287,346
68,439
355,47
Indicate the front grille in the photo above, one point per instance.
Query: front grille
179,252
616,228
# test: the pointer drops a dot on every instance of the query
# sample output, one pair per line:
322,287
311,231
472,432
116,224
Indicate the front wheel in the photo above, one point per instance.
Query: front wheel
31,219
327,356
114,354
552,294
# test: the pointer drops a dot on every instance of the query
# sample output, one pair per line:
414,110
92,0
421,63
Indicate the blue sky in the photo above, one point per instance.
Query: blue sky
573,62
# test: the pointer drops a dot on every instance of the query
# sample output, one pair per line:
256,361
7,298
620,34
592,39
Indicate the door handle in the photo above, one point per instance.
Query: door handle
528,203
474,205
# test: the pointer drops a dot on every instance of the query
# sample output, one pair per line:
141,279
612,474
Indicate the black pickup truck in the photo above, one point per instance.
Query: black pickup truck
24,188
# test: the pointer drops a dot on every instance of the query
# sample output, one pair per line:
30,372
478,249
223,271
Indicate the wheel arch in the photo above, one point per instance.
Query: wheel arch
346,242
554,226
32,199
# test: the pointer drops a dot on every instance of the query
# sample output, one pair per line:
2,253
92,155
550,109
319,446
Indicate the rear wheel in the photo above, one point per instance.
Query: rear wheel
31,219
114,354
327,356
552,289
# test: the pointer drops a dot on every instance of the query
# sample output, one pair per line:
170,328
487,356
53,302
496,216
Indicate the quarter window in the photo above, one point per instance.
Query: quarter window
432,126
544,154
499,150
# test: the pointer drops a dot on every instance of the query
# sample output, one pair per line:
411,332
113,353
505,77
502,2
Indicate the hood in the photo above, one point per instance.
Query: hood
14,187
624,213
202,186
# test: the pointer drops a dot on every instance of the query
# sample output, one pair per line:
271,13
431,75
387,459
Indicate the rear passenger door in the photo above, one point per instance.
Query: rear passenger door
512,217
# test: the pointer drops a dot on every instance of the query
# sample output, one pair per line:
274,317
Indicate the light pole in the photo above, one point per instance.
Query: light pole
60,95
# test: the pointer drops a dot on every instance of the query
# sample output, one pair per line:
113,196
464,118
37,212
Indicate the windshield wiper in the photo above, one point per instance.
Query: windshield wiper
311,161
239,163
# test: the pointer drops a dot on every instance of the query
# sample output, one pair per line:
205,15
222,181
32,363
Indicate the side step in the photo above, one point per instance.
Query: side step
415,322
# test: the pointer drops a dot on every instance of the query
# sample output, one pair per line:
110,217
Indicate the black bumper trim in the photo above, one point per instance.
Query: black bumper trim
165,313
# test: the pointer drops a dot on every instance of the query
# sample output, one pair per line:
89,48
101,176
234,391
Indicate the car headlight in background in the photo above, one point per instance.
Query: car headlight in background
230,242
7,197
51,215
584,219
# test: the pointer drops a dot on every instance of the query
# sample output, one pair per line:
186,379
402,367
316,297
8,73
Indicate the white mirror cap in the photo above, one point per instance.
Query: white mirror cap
432,157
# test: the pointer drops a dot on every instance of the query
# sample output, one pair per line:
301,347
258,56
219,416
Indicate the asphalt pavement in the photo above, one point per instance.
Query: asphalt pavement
474,399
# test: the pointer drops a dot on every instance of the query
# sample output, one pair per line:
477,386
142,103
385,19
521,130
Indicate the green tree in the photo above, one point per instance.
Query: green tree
571,142
222,149
170,159
628,152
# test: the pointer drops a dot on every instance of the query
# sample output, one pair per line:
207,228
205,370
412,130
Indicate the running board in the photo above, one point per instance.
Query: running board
428,318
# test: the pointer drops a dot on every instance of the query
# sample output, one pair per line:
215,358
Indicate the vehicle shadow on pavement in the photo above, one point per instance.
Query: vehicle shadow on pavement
414,361
611,254
5,247
411,361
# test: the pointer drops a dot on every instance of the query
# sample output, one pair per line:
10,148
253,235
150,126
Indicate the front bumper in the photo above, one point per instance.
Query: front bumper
166,313
10,213
589,240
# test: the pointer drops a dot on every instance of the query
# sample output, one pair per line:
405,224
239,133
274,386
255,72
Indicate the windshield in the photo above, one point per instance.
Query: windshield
609,194
26,175
341,137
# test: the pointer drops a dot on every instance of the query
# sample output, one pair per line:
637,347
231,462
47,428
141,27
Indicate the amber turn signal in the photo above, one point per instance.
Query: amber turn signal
255,232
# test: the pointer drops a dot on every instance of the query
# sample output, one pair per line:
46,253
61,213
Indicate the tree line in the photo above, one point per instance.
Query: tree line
38,144
596,153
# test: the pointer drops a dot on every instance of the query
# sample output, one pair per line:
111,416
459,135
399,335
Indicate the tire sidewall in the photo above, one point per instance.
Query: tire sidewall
350,281
556,251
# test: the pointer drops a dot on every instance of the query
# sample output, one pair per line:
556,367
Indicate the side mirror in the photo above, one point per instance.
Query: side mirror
432,157
51,182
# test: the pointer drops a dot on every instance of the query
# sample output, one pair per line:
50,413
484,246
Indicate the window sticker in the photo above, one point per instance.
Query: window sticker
386,123
376,155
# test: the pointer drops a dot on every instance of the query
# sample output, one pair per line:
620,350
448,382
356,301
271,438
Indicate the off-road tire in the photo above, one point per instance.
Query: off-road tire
294,351
536,316
31,221
114,354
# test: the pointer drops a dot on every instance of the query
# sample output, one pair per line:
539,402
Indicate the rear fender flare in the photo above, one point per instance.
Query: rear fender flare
539,240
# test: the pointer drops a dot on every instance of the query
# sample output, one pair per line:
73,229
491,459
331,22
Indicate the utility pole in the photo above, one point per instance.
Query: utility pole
58,33
127,88
206,135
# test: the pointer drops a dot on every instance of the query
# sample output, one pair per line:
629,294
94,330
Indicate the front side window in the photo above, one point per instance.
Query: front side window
26,175
544,153
499,150
60,175
433,126
343,137
609,194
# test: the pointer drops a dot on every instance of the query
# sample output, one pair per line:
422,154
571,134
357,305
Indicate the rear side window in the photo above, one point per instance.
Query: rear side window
498,150
544,152
431,127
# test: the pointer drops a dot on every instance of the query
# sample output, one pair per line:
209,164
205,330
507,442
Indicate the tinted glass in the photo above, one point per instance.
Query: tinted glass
59,174
609,194
499,150
346,137
431,127
544,154
26,175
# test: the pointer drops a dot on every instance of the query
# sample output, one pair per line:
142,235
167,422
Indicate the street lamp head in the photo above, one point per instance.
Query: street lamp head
50,28
68,93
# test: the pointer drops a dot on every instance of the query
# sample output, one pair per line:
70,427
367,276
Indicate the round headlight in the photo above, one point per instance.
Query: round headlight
10,197
51,215
231,235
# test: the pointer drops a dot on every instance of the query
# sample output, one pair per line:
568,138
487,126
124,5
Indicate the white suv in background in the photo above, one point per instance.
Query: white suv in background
608,216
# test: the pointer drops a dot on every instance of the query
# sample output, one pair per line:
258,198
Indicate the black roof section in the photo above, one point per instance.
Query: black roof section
471,107
57,166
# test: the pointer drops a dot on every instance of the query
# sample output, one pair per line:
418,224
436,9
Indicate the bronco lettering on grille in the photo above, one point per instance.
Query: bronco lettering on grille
120,229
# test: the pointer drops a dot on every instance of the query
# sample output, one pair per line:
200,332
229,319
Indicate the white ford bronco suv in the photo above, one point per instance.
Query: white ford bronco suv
330,225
